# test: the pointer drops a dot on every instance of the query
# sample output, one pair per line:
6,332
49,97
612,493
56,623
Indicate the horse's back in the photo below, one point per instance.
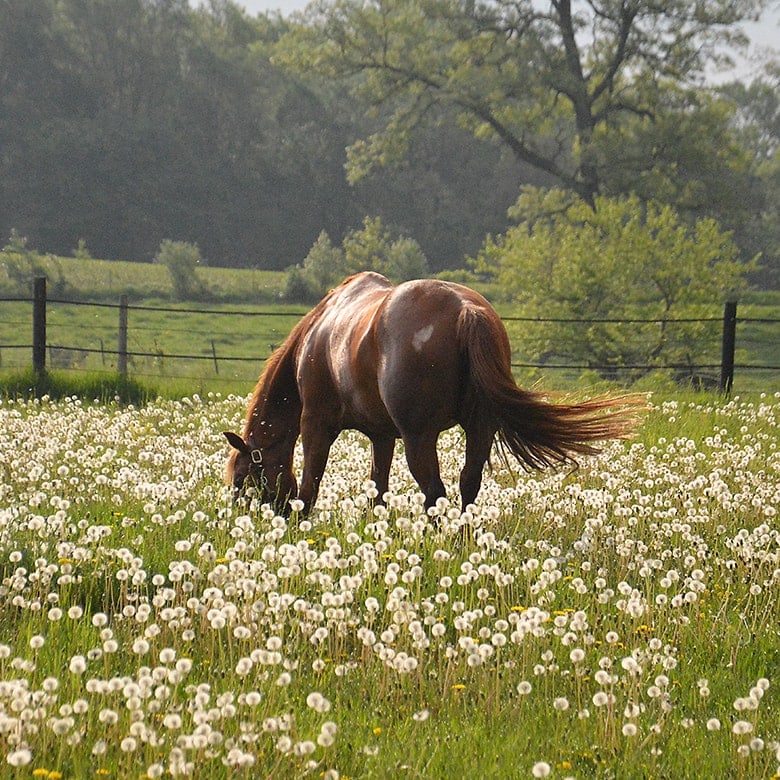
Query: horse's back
422,318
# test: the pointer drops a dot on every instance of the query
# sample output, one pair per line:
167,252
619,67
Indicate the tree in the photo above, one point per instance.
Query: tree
450,192
126,121
551,81
756,121
371,248
182,260
757,114
592,269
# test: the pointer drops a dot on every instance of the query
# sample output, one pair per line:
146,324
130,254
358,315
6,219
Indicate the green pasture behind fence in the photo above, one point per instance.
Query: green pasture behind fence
223,347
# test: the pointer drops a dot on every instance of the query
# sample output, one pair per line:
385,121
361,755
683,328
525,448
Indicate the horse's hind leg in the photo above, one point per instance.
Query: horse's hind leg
479,441
381,459
423,462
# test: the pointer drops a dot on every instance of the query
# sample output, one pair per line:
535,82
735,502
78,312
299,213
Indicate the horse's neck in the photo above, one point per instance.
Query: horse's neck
274,420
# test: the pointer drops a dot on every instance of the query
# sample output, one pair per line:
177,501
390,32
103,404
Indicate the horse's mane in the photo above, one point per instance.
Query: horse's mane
277,380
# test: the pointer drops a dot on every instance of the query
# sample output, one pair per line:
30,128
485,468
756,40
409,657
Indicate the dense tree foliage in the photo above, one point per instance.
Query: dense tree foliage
568,262
756,121
182,260
124,123
602,97
552,80
370,248
127,122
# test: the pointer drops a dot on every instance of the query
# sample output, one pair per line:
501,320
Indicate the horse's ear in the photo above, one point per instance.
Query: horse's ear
237,443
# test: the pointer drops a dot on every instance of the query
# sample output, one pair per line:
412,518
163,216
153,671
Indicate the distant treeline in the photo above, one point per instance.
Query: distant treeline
126,122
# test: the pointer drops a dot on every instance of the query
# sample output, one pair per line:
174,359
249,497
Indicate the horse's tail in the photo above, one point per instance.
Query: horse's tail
537,432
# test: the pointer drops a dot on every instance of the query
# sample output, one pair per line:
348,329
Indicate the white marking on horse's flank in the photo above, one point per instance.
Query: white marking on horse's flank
422,335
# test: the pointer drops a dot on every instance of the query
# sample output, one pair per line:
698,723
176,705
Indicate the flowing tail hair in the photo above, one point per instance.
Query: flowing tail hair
537,432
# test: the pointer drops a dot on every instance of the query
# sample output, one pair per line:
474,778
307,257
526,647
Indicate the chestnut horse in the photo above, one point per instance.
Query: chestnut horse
408,362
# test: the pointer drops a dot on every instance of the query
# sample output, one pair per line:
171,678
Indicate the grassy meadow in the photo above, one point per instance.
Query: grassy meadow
227,351
618,621
105,280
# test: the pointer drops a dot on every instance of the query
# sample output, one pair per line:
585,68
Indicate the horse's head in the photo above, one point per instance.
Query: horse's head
251,466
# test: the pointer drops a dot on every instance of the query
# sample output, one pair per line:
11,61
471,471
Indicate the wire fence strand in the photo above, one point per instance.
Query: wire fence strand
68,354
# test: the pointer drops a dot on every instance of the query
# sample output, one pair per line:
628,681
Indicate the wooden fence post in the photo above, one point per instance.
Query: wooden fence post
214,356
728,346
39,324
121,363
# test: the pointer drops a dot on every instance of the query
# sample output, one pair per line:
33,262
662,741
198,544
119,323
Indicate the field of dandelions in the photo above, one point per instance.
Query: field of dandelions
621,620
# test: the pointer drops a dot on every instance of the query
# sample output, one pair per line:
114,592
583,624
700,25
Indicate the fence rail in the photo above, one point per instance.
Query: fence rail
125,353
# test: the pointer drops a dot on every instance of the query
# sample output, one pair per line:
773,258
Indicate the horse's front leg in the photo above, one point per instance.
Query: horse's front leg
316,439
381,459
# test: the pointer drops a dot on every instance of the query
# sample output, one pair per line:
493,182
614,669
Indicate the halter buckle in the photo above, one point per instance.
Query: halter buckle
256,456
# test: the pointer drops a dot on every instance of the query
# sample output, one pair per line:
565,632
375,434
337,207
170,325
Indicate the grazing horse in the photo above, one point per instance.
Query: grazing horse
408,362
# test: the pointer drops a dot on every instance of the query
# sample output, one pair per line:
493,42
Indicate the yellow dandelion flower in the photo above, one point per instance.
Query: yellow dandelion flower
54,775
458,687
377,730
518,608
40,772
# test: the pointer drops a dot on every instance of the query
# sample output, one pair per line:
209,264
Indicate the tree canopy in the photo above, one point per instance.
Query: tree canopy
124,123
593,271
370,248
553,81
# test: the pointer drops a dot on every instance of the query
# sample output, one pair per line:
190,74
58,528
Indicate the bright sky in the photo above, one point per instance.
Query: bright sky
264,6
764,34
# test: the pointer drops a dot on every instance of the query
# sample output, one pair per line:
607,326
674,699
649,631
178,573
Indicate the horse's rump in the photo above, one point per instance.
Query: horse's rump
537,432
